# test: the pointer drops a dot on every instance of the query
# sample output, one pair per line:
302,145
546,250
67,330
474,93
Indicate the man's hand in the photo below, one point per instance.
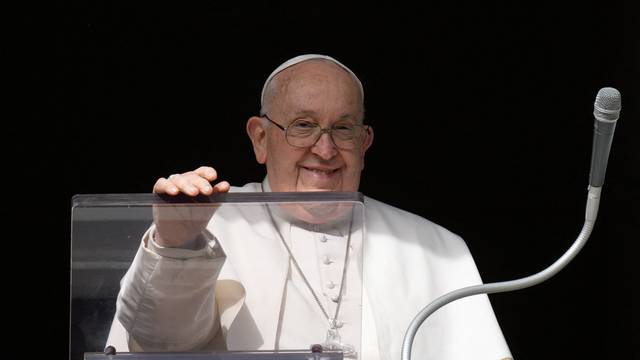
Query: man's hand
180,225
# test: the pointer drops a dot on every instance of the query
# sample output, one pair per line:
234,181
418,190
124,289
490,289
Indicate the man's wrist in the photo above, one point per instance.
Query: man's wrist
200,247
196,244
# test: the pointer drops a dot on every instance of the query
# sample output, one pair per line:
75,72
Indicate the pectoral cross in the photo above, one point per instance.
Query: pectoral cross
334,342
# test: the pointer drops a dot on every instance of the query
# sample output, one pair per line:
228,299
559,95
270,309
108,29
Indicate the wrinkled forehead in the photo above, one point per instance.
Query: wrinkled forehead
302,58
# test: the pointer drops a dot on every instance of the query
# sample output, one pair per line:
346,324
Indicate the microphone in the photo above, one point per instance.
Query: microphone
606,111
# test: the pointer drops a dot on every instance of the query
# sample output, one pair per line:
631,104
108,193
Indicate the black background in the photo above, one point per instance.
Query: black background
482,117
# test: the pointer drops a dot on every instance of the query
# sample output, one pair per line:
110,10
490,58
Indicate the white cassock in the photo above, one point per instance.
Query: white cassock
194,300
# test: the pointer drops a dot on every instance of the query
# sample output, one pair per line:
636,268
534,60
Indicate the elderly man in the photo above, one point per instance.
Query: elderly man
311,137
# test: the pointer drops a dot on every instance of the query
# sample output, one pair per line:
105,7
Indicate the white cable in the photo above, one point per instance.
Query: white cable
593,202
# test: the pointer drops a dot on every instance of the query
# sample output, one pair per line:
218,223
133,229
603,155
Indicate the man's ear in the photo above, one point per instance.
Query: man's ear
257,131
368,140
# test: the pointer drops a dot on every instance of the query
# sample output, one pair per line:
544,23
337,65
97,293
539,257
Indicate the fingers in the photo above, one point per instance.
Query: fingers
164,186
222,187
207,172
191,183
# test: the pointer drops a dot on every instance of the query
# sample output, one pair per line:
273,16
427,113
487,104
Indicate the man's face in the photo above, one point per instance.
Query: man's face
322,93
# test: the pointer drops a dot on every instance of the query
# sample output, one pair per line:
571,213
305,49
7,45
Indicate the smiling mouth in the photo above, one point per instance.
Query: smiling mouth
320,171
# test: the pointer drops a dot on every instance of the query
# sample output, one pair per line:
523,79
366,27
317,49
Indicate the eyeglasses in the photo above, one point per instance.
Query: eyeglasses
304,133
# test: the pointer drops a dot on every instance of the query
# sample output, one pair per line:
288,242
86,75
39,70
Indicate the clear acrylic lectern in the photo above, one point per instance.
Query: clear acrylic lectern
235,276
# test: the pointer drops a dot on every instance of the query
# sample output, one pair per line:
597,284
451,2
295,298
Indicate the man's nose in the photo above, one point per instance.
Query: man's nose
324,147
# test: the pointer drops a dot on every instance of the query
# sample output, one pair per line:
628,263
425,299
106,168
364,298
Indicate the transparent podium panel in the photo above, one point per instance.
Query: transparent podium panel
227,355
229,276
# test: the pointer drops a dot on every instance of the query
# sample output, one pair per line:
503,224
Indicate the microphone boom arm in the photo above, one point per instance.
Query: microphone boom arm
593,203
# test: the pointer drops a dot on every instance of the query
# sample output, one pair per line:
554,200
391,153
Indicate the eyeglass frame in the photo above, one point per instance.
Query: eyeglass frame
328,130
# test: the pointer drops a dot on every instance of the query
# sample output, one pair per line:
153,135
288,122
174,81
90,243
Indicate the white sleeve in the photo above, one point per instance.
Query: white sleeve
166,300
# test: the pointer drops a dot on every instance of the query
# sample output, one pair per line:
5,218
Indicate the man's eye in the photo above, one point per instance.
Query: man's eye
304,124
345,127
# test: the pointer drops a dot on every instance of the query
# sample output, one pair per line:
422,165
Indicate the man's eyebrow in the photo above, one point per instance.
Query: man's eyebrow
347,116
313,114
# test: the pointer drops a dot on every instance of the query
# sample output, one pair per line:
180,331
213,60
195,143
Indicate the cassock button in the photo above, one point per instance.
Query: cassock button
327,260
331,285
323,238
335,298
